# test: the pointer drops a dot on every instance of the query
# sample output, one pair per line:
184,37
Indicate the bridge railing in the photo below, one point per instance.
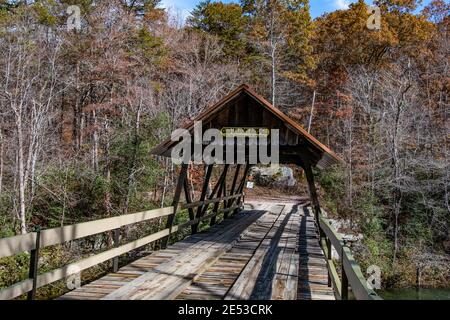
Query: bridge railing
351,274
34,241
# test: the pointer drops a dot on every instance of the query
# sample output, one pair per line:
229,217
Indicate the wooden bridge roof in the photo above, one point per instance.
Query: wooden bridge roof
245,108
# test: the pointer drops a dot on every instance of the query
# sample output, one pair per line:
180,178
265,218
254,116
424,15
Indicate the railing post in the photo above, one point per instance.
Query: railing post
34,265
116,240
313,194
330,259
344,281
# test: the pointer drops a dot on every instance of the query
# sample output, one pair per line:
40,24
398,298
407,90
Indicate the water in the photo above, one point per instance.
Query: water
413,294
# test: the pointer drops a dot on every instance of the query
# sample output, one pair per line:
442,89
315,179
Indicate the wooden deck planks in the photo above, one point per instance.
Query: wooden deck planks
216,281
284,286
114,281
168,280
313,273
270,252
125,275
262,274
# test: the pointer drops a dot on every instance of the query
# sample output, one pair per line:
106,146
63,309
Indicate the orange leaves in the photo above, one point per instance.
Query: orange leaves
343,113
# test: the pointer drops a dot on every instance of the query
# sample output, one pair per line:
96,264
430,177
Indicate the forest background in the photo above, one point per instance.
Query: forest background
80,110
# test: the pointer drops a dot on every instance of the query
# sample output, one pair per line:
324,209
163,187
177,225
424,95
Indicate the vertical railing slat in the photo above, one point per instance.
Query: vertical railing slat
116,240
34,266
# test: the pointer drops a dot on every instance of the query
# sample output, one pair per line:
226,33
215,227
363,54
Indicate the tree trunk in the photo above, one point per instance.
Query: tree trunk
95,144
273,52
131,172
107,168
274,79
1,160
21,173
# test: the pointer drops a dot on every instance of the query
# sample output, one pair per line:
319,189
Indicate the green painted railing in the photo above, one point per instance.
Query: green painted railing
351,274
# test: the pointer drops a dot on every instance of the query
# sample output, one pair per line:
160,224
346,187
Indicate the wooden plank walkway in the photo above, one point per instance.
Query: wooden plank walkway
268,252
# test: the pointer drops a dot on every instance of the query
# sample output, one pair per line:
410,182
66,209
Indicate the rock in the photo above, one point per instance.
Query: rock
341,225
338,225
351,238
274,176
287,177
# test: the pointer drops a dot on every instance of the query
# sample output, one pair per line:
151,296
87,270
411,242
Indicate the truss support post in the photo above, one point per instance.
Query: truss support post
313,194
200,208
220,191
242,186
233,189
188,197
213,194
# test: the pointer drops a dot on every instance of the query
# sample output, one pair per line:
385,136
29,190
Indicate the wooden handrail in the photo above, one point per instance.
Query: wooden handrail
25,286
82,230
332,235
351,271
207,217
23,243
14,245
212,201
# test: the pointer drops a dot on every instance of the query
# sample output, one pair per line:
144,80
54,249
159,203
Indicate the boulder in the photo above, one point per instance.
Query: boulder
274,176
351,238
341,226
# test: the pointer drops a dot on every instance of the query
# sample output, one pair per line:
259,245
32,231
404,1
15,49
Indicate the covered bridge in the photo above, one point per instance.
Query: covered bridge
253,250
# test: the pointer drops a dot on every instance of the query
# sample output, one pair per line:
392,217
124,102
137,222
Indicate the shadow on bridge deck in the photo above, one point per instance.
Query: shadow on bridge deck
267,252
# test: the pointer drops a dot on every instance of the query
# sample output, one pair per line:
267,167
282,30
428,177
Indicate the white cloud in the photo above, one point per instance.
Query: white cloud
342,4
177,8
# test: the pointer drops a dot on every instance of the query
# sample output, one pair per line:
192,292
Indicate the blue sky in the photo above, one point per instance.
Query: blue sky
318,7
